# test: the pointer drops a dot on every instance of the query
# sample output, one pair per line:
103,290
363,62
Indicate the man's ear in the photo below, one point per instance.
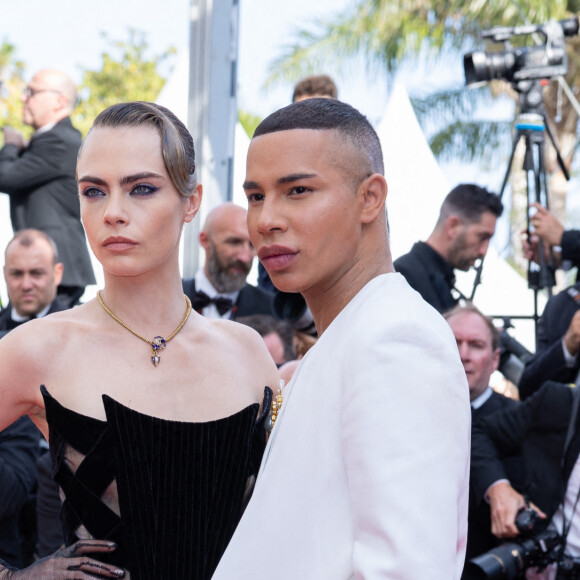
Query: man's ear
204,240
373,194
58,271
452,226
193,201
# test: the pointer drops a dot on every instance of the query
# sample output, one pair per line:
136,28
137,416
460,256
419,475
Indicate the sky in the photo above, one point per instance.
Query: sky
67,34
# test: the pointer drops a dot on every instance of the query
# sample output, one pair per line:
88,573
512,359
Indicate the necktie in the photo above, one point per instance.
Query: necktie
201,300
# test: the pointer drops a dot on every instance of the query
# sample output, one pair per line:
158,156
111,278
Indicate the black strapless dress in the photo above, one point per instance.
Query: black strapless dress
181,487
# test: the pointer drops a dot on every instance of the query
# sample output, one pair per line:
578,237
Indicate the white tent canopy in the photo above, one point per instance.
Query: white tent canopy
417,188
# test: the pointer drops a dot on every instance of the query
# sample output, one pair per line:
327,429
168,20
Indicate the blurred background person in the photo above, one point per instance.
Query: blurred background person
478,344
32,271
219,289
39,176
461,236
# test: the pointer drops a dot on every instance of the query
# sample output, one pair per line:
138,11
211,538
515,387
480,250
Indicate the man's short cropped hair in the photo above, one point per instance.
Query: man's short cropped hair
315,86
27,237
469,202
470,307
328,114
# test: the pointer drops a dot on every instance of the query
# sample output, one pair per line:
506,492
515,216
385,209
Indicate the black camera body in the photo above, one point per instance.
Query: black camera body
545,61
510,559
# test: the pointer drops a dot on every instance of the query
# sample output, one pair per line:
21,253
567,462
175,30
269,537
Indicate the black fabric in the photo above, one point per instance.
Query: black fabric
536,429
40,182
548,363
479,536
571,246
429,274
251,300
181,486
201,300
19,449
7,324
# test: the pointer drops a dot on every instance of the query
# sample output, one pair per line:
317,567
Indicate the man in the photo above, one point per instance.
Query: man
379,406
32,272
321,86
478,344
39,176
539,429
461,237
19,449
220,289
316,86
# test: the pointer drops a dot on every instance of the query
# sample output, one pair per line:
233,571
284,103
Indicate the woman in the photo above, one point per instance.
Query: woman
154,445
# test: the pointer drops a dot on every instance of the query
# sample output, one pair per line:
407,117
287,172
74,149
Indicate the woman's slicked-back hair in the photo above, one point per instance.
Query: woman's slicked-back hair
176,142
320,114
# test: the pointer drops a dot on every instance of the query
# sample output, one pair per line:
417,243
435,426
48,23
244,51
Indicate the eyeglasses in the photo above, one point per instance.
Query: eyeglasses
29,92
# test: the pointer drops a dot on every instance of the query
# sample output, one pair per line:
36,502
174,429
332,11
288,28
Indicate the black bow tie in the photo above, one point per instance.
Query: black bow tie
201,300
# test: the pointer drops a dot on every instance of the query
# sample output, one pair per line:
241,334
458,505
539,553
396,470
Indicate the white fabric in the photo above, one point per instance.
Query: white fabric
366,472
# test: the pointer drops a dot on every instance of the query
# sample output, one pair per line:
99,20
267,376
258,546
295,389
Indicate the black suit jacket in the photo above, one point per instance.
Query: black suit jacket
571,246
536,429
430,274
19,449
479,536
7,324
251,300
549,364
40,181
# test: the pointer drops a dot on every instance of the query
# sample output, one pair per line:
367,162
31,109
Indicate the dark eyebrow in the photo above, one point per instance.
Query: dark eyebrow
124,181
287,179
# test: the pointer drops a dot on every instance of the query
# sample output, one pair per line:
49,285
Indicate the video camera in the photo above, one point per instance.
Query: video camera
545,61
510,559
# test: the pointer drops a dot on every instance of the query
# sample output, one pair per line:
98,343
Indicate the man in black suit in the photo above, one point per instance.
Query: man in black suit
219,290
538,428
461,236
19,450
39,176
558,343
478,343
32,272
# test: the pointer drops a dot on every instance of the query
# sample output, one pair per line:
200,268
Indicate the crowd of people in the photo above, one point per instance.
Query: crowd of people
317,425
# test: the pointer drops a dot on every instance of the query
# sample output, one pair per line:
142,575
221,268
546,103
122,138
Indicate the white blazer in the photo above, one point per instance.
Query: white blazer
366,472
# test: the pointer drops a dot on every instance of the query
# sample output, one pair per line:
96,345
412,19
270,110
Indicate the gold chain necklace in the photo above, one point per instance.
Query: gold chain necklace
158,343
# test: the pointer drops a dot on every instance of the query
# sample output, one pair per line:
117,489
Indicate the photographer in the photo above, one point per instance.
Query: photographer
538,429
552,233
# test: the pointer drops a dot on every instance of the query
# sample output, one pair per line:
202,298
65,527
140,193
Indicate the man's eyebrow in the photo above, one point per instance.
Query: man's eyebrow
286,179
124,181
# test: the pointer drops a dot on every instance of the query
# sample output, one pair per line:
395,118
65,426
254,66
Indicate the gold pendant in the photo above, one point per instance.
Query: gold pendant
157,345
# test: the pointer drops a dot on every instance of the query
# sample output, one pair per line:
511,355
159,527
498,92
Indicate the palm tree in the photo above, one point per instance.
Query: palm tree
389,33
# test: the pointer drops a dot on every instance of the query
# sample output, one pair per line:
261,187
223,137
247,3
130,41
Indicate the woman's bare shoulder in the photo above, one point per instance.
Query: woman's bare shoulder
244,347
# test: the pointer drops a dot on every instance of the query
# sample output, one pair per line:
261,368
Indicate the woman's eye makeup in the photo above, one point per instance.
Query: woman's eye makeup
91,192
143,189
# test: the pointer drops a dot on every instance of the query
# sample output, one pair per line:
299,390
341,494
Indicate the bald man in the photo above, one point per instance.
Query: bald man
39,176
220,290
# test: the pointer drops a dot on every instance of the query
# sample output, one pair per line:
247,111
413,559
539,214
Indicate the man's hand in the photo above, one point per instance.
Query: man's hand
13,137
572,336
505,502
546,226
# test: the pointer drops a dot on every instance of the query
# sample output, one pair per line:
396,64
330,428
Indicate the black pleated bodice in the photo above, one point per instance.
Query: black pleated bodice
181,487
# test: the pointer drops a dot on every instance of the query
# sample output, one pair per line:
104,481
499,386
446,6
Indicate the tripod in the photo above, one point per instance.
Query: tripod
532,127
